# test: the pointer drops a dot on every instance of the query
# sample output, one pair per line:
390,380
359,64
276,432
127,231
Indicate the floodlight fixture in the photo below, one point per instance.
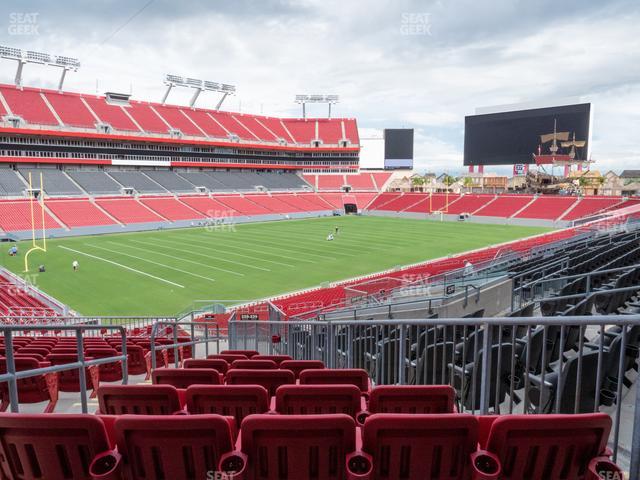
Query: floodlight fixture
200,85
315,98
41,58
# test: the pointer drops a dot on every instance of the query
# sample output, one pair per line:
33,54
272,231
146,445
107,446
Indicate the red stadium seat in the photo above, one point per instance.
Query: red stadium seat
421,446
138,400
335,376
276,358
217,364
183,378
165,447
109,372
69,380
136,363
51,446
269,379
412,399
254,364
293,447
41,388
552,447
235,401
246,353
297,366
319,399
227,357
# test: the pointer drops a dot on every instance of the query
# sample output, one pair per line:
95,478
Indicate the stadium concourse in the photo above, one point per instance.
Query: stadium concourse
511,361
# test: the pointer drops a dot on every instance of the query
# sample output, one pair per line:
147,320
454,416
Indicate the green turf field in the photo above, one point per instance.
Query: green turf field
163,272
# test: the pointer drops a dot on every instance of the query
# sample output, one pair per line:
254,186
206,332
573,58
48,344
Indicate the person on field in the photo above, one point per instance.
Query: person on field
13,251
329,237
75,265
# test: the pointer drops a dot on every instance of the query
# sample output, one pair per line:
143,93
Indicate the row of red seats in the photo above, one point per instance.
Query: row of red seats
322,447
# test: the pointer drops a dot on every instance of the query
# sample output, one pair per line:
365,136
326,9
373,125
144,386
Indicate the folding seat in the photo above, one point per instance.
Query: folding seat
138,400
237,401
337,376
227,357
415,447
70,350
269,379
136,363
183,378
51,446
297,366
293,447
109,372
246,353
412,399
69,380
254,364
217,364
165,447
276,358
42,351
319,399
552,447
41,388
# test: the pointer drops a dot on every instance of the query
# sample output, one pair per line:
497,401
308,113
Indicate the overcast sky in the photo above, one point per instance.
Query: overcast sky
394,63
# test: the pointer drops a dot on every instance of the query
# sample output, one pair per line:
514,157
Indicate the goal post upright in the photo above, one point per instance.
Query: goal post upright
34,244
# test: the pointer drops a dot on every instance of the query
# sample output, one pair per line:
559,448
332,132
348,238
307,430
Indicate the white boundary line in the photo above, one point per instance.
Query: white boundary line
122,266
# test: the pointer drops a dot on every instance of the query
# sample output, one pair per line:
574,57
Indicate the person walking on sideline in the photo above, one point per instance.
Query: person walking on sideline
75,265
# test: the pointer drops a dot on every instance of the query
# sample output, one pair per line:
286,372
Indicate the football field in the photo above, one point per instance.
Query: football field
164,272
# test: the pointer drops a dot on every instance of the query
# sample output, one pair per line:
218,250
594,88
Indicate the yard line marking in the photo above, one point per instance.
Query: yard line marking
122,266
175,256
151,261
221,259
221,250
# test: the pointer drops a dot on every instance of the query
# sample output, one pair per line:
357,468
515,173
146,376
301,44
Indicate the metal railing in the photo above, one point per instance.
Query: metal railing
210,333
12,375
570,364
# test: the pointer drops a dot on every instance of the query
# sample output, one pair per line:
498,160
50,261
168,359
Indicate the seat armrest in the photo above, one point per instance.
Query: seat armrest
234,465
359,466
603,467
485,466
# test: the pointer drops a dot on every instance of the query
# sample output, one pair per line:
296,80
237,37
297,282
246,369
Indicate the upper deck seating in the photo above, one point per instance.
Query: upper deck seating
170,180
136,180
55,181
10,183
95,182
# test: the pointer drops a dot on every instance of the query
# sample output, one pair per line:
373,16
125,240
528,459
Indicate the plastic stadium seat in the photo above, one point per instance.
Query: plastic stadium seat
293,447
165,447
422,446
138,400
269,379
412,399
246,353
276,358
235,401
319,399
227,357
254,364
136,364
297,366
217,364
334,376
41,388
69,380
552,447
183,378
51,446
109,372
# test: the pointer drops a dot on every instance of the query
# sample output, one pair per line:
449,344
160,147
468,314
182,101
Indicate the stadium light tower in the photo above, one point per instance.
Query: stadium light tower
199,85
27,56
304,99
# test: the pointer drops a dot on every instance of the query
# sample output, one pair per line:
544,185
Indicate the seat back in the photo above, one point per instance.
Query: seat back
185,377
138,400
236,401
217,364
269,379
246,353
418,446
412,399
318,399
255,364
552,447
40,446
276,358
227,357
297,446
297,366
172,447
337,376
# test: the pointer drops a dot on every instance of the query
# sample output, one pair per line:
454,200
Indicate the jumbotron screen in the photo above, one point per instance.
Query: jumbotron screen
398,148
510,138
